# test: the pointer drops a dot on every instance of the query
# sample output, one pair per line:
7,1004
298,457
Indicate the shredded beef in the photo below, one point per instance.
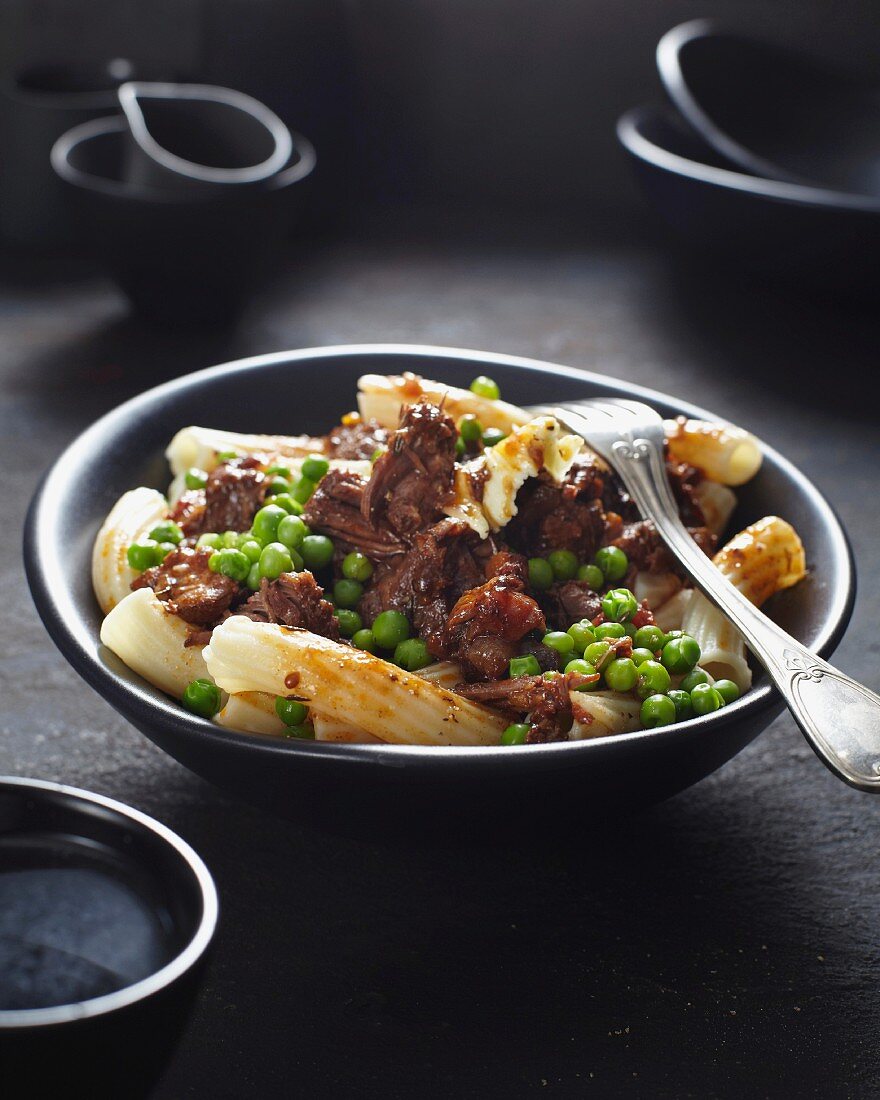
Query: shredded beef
684,480
569,602
293,599
335,510
411,480
646,551
357,440
188,588
554,517
545,702
230,500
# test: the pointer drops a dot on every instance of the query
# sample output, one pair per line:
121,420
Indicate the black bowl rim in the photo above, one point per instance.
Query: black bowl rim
668,58
222,195
631,137
161,979
46,577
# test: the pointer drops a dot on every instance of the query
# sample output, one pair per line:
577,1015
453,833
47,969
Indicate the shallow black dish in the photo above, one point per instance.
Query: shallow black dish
107,916
341,786
827,240
773,111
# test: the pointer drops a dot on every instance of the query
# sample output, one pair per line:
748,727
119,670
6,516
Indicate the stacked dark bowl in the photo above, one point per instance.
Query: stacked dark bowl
770,159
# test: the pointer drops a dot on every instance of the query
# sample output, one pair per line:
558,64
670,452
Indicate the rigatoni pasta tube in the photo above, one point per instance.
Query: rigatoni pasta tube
196,446
151,642
353,685
603,714
132,518
250,712
724,453
764,558
381,397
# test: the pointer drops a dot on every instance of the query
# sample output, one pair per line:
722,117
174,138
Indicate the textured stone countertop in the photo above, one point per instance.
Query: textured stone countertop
725,943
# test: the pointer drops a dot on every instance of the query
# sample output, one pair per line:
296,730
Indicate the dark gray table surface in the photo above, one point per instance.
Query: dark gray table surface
723,944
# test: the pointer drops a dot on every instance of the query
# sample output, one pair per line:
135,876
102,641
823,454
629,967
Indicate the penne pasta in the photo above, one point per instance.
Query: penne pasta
133,516
761,560
250,712
199,447
356,687
445,673
717,503
151,642
381,397
724,453
330,728
603,714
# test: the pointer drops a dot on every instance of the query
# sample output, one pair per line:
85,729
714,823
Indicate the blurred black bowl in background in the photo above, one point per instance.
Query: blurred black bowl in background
824,239
182,257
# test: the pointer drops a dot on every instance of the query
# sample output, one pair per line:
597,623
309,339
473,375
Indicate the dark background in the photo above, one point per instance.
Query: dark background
724,944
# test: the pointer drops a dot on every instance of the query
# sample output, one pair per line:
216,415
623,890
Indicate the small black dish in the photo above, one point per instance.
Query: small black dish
182,256
773,111
825,240
363,788
105,919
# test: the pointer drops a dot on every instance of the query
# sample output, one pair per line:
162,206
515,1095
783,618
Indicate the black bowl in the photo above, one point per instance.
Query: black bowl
182,256
106,919
826,240
773,111
360,786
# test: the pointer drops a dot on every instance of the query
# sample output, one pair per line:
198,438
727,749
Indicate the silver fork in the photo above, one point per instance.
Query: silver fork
839,717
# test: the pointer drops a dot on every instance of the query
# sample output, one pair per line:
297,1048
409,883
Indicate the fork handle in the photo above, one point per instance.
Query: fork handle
838,716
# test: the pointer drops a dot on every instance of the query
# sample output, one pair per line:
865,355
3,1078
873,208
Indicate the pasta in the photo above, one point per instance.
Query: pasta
440,569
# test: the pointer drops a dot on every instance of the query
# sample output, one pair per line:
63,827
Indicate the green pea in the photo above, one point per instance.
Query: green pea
657,710
564,564
202,697
390,629
291,531
540,574
317,551
167,532
231,563
303,732
485,387
377,454
357,567
460,449
195,478
728,690
229,539
314,467
265,526
470,429
609,630
621,674
705,699
286,501
349,622
639,656
225,456
597,652
613,562
619,605
298,563
347,593
275,560
653,679
144,555
515,734
277,487
290,711
303,490
492,437
251,549
254,577
650,637
561,642
524,666
582,634
210,539
695,677
680,655
585,668
669,635
364,639
279,471
682,702
593,576
412,654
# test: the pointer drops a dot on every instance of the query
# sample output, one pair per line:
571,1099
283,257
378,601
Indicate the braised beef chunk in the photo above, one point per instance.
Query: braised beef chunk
233,495
569,602
646,550
356,440
411,480
684,480
496,610
556,517
546,703
188,511
294,599
188,588
335,510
